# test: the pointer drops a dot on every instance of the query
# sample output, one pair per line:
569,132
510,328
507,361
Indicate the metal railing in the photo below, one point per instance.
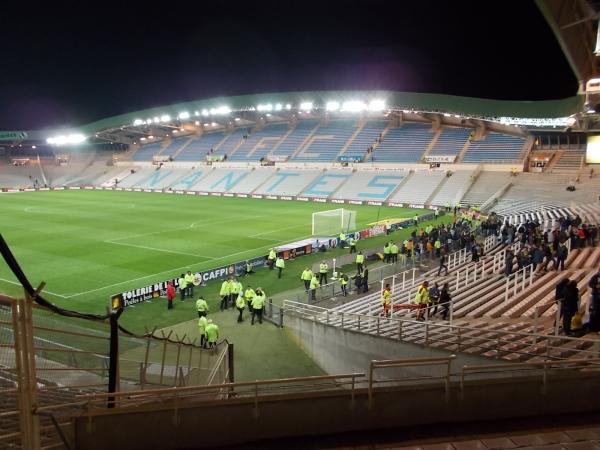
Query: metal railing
542,368
445,362
518,282
498,342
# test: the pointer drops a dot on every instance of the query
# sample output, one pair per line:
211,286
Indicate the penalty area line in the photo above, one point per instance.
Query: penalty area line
43,292
154,249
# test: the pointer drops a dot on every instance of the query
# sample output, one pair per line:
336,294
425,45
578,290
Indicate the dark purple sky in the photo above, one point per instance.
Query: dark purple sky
69,65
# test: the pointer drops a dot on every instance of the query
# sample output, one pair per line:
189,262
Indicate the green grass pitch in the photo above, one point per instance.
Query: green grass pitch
87,245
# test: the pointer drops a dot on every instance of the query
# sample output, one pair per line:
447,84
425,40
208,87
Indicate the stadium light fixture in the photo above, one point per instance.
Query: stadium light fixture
265,107
165,118
376,105
174,131
207,124
288,106
205,112
33,146
184,115
197,122
237,118
332,106
142,139
137,122
66,139
182,129
278,107
214,124
156,119
306,106
221,110
354,106
196,113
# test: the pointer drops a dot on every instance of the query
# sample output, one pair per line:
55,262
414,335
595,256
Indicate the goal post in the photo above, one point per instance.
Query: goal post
333,221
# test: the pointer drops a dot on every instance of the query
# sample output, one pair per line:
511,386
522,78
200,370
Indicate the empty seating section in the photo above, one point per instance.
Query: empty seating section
134,179
454,186
495,147
418,187
231,142
163,178
325,185
222,180
20,176
569,162
253,180
296,138
486,185
174,146
258,144
405,144
366,137
370,186
450,141
325,144
288,182
200,146
146,152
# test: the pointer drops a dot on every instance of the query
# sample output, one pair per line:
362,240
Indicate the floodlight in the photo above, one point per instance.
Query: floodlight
184,115
278,107
376,105
214,124
205,112
75,138
354,106
33,146
220,110
150,137
332,106
137,122
268,115
165,118
288,106
446,115
265,107
207,124
306,106
174,131
197,122
142,139
237,118
148,121
196,113
182,129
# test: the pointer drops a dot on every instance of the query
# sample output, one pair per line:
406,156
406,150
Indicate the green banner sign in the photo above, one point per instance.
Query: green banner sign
12,135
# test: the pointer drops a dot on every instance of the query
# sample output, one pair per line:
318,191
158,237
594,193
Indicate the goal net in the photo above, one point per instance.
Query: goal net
334,221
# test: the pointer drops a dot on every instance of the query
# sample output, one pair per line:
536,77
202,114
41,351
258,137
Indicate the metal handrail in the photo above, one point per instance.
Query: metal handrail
544,365
313,311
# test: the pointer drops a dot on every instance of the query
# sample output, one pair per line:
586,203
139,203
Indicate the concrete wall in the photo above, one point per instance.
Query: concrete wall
209,424
344,351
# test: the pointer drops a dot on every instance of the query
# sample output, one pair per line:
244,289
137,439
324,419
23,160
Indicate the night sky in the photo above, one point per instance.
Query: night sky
70,65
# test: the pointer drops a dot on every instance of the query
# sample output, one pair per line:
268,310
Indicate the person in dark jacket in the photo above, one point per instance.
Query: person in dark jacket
570,304
445,300
365,279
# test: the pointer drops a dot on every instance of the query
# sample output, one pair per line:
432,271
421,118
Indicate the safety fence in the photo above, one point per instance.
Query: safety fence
495,343
47,359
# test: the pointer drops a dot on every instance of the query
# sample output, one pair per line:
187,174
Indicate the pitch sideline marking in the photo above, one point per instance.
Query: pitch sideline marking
159,249
45,291
274,231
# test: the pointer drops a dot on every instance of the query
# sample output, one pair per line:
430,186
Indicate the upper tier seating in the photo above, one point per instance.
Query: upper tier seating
495,147
366,137
146,152
174,146
450,141
405,144
200,146
258,144
296,138
327,141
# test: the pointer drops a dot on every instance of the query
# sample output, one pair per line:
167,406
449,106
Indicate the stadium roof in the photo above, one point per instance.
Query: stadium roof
486,109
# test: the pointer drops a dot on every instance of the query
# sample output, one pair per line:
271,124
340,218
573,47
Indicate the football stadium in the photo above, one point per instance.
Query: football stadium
309,269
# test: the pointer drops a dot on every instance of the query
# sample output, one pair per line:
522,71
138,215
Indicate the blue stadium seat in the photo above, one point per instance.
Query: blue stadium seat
451,141
405,144
146,152
495,147
200,146
325,144
366,137
297,136
259,143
